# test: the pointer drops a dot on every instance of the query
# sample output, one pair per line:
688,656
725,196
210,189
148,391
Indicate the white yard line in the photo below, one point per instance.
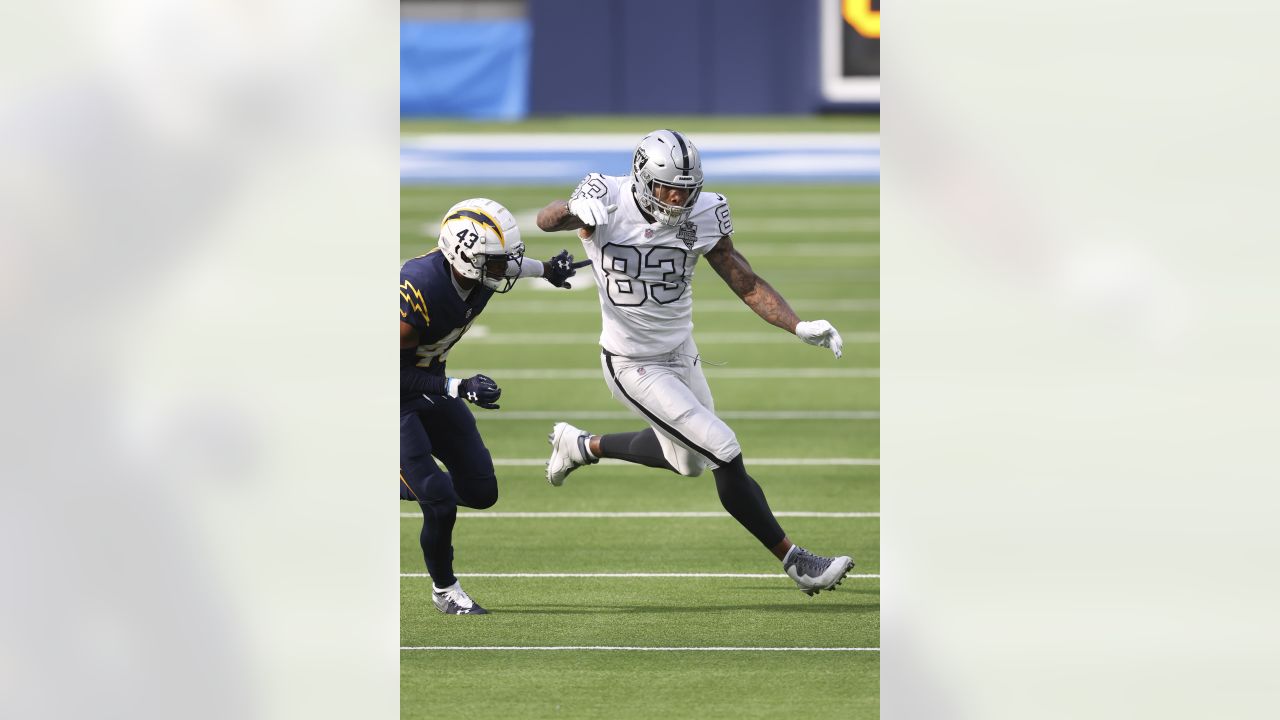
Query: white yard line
715,373
791,227
739,576
773,462
476,335
589,304
722,414
857,197
718,514
641,648
799,226
815,249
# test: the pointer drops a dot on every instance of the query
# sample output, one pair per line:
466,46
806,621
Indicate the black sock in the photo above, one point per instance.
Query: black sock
744,500
636,447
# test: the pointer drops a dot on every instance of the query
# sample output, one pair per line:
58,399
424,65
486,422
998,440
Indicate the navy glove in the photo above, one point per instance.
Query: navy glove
480,390
562,267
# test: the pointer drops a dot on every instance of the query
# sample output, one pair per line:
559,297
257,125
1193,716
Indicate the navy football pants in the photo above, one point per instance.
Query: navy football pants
445,428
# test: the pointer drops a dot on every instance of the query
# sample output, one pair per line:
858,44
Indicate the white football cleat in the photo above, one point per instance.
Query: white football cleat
453,600
567,452
814,573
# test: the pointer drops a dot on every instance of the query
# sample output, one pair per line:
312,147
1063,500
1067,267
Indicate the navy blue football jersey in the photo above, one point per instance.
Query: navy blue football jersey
430,303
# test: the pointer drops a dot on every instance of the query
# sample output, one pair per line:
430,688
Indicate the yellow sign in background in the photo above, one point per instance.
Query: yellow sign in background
860,15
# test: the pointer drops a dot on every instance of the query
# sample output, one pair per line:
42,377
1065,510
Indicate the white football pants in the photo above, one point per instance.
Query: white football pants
671,393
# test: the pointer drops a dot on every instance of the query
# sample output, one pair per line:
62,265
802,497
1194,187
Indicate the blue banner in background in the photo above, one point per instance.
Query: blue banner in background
477,70
555,158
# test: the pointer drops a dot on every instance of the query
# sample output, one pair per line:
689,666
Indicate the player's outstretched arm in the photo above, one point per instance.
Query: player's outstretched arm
556,217
560,268
556,271
577,214
760,296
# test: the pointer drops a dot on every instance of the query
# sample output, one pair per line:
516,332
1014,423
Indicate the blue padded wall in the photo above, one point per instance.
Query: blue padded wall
477,70
674,56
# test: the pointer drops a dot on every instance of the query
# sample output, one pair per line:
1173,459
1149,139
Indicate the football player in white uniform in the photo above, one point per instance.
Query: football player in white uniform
645,233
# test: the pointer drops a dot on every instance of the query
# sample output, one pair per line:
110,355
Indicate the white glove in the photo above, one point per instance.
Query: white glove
821,333
592,211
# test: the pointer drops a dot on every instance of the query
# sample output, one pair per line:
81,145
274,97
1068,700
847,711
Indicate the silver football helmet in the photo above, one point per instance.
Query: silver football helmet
665,157
481,240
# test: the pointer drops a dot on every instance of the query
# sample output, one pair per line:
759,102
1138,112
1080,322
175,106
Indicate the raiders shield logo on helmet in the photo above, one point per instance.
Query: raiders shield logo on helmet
639,160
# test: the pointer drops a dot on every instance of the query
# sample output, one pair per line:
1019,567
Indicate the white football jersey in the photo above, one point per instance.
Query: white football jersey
644,270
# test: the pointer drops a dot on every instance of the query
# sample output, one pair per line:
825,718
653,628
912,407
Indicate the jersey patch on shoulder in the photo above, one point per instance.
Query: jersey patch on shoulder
411,298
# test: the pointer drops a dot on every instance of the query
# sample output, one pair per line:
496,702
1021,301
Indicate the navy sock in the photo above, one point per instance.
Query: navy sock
437,540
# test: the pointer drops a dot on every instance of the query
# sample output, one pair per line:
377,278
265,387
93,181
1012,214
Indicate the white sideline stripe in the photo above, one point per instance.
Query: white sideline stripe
641,514
706,338
743,576
722,414
641,648
413,201
625,143
710,371
773,462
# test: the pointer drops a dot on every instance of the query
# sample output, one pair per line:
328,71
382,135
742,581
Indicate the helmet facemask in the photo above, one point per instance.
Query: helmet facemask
500,271
666,158
667,213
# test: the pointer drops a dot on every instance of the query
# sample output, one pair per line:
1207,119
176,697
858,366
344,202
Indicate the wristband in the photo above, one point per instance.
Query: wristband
451,387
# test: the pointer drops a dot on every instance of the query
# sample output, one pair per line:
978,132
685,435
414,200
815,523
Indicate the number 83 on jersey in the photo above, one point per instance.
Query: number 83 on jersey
635,275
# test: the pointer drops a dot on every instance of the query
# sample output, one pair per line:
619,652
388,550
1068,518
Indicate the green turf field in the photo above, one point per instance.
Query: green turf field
788,402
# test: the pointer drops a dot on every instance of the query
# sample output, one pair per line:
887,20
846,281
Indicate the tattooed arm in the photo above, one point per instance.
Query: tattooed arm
746,284
556,217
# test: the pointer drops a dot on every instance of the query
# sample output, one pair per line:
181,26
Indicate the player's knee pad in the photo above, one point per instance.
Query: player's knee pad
717,440
693,464
727,448
478,493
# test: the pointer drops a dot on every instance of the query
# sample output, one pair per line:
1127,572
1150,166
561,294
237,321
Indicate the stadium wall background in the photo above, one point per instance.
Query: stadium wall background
554,57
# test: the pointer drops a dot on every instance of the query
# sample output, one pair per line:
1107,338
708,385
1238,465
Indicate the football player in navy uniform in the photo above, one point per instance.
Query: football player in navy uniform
441,294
